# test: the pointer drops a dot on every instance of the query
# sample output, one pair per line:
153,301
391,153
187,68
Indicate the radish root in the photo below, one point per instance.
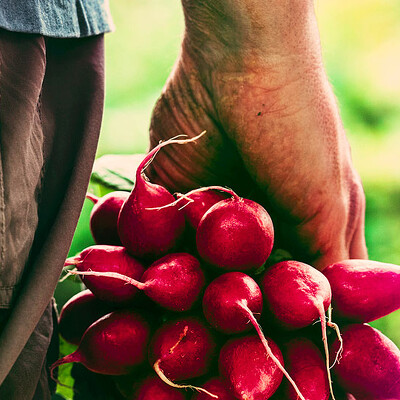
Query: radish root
152,153
67,275
264,341
203,189
184,196
162,376
161,144
182,335
339,336
322,318
114,275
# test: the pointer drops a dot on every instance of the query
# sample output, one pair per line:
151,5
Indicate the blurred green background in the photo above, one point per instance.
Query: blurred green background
361,47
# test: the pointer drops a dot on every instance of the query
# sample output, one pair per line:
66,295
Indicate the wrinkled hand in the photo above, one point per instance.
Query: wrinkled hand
250,73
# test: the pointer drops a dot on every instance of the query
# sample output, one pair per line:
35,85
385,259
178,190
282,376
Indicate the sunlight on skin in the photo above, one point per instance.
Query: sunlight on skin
272,123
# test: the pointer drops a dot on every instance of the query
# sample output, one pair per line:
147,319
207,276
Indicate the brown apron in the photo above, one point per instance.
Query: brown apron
51,104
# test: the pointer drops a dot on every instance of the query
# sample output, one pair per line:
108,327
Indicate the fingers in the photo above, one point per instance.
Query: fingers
358,247
349,232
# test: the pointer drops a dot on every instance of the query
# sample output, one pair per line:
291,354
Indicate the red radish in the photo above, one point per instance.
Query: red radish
78,313
104,217
113,345
145,227
250,372
235,234
229,299
201,202
217,386
152,388
306,366
370,364
175,281
297,295
182,349
230,302
364,290
105,258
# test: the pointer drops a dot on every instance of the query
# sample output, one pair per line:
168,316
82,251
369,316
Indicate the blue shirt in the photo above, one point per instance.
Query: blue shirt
56,18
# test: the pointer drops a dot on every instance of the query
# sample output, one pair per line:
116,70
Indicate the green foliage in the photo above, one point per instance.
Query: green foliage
361,109
116,172
383,222
382,227
139,57
141,53
64,372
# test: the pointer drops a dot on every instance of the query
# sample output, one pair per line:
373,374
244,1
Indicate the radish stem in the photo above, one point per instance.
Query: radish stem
73,357
92,197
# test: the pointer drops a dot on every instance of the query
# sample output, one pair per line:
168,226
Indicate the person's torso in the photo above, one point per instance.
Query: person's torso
56,18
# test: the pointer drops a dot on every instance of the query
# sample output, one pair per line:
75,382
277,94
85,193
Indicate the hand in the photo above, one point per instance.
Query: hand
250,73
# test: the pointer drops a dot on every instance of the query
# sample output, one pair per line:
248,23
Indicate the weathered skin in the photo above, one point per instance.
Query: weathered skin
250,72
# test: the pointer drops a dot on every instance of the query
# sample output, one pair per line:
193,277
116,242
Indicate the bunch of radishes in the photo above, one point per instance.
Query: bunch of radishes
175,288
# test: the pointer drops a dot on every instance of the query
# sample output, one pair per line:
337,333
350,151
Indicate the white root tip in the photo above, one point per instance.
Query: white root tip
67,275
152,153
322,318
174,203
162,376
339,336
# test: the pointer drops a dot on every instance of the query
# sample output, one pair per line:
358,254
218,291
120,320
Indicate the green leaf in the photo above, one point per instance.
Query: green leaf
277,255
78,383
64,372
116,172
